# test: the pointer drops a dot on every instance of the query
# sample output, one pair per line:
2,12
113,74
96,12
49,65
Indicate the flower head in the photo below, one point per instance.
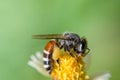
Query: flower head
69,67
65,67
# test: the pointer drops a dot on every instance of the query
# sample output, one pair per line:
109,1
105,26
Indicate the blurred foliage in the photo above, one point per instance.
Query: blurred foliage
97,20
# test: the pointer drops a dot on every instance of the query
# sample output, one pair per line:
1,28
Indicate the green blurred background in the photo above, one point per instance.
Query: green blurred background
97,20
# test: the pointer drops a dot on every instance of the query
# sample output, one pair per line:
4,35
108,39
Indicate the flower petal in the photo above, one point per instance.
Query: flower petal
36,62
103,76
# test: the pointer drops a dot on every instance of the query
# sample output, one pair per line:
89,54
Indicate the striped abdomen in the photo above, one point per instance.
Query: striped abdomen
47,55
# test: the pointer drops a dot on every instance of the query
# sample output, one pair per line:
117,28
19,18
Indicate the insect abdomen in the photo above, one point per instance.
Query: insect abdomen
47,55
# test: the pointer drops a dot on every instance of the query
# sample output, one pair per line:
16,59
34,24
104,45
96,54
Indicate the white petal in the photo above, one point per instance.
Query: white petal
104,76
36,62
38,55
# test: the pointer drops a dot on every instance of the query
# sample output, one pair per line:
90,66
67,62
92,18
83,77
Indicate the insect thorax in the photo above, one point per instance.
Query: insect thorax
71,41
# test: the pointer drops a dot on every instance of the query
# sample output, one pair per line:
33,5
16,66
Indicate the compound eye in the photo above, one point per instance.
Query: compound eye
81,47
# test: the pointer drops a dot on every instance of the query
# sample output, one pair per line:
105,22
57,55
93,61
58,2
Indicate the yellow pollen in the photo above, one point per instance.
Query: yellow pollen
68,67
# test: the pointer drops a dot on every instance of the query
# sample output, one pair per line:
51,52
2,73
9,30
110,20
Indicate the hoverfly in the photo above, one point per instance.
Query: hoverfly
66,41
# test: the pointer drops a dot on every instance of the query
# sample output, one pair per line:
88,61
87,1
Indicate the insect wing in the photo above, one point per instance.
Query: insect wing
48,36
87,60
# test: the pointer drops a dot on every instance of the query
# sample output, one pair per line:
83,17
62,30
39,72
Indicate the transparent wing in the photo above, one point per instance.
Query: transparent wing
87,60
49,36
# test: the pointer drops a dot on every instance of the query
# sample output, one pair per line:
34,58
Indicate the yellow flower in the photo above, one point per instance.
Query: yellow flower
69,67
65,66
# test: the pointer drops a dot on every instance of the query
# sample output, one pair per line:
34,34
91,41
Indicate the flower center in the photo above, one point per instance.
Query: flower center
68,67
